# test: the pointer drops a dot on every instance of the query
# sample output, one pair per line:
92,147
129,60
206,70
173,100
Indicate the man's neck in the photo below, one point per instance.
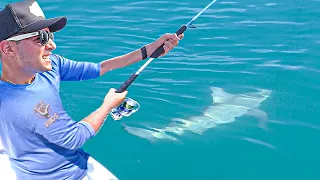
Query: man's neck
17,78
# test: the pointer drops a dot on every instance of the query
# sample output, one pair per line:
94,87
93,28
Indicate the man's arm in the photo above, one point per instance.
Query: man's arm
97,118
111,100
61,130
120,61
169,41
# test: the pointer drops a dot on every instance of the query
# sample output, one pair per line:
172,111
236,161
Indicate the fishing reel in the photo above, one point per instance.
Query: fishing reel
127,108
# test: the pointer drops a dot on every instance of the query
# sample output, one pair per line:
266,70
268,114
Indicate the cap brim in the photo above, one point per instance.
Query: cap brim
54,24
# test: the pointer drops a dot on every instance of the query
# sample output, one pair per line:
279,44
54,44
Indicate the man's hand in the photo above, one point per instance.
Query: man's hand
169,41
113,99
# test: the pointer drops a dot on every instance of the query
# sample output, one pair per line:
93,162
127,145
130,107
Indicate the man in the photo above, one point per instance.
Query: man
41,140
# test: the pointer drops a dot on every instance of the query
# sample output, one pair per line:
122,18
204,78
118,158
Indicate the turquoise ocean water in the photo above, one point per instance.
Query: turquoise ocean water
237,99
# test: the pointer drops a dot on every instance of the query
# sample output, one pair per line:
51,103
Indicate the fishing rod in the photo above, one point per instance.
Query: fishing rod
160,50
126,109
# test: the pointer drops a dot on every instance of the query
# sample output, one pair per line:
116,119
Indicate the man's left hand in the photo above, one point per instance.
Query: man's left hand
169,41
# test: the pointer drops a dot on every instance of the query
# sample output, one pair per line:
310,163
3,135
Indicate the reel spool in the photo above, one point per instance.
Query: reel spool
127,108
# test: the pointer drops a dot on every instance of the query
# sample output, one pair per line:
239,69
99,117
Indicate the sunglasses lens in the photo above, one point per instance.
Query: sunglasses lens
51,36
44,37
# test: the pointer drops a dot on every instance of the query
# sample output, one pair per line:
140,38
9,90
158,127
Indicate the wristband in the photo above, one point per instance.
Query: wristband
144,52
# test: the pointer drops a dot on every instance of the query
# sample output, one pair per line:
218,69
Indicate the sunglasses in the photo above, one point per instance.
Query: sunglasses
44,37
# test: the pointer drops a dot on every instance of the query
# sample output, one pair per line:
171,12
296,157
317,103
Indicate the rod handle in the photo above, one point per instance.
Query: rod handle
160,50
127,83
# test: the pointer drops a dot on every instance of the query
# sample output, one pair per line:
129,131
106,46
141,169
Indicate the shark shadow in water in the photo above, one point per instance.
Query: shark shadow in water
225,108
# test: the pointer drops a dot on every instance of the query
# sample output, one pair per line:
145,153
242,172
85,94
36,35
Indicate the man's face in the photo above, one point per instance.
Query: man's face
32,56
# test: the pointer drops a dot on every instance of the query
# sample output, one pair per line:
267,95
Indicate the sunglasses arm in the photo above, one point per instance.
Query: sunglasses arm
23,36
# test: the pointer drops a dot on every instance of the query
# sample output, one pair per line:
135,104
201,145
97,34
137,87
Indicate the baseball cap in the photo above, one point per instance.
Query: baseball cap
25,17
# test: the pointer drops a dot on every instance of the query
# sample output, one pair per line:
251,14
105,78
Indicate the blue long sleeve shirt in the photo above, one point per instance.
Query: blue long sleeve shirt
41,139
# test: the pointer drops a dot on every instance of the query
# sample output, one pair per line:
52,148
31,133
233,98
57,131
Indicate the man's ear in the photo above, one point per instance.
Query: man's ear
6,48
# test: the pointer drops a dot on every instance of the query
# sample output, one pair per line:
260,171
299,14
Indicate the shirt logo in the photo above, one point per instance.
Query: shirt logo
44,110
36,10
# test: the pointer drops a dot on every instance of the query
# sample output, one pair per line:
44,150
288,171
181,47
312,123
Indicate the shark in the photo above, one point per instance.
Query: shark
225,108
